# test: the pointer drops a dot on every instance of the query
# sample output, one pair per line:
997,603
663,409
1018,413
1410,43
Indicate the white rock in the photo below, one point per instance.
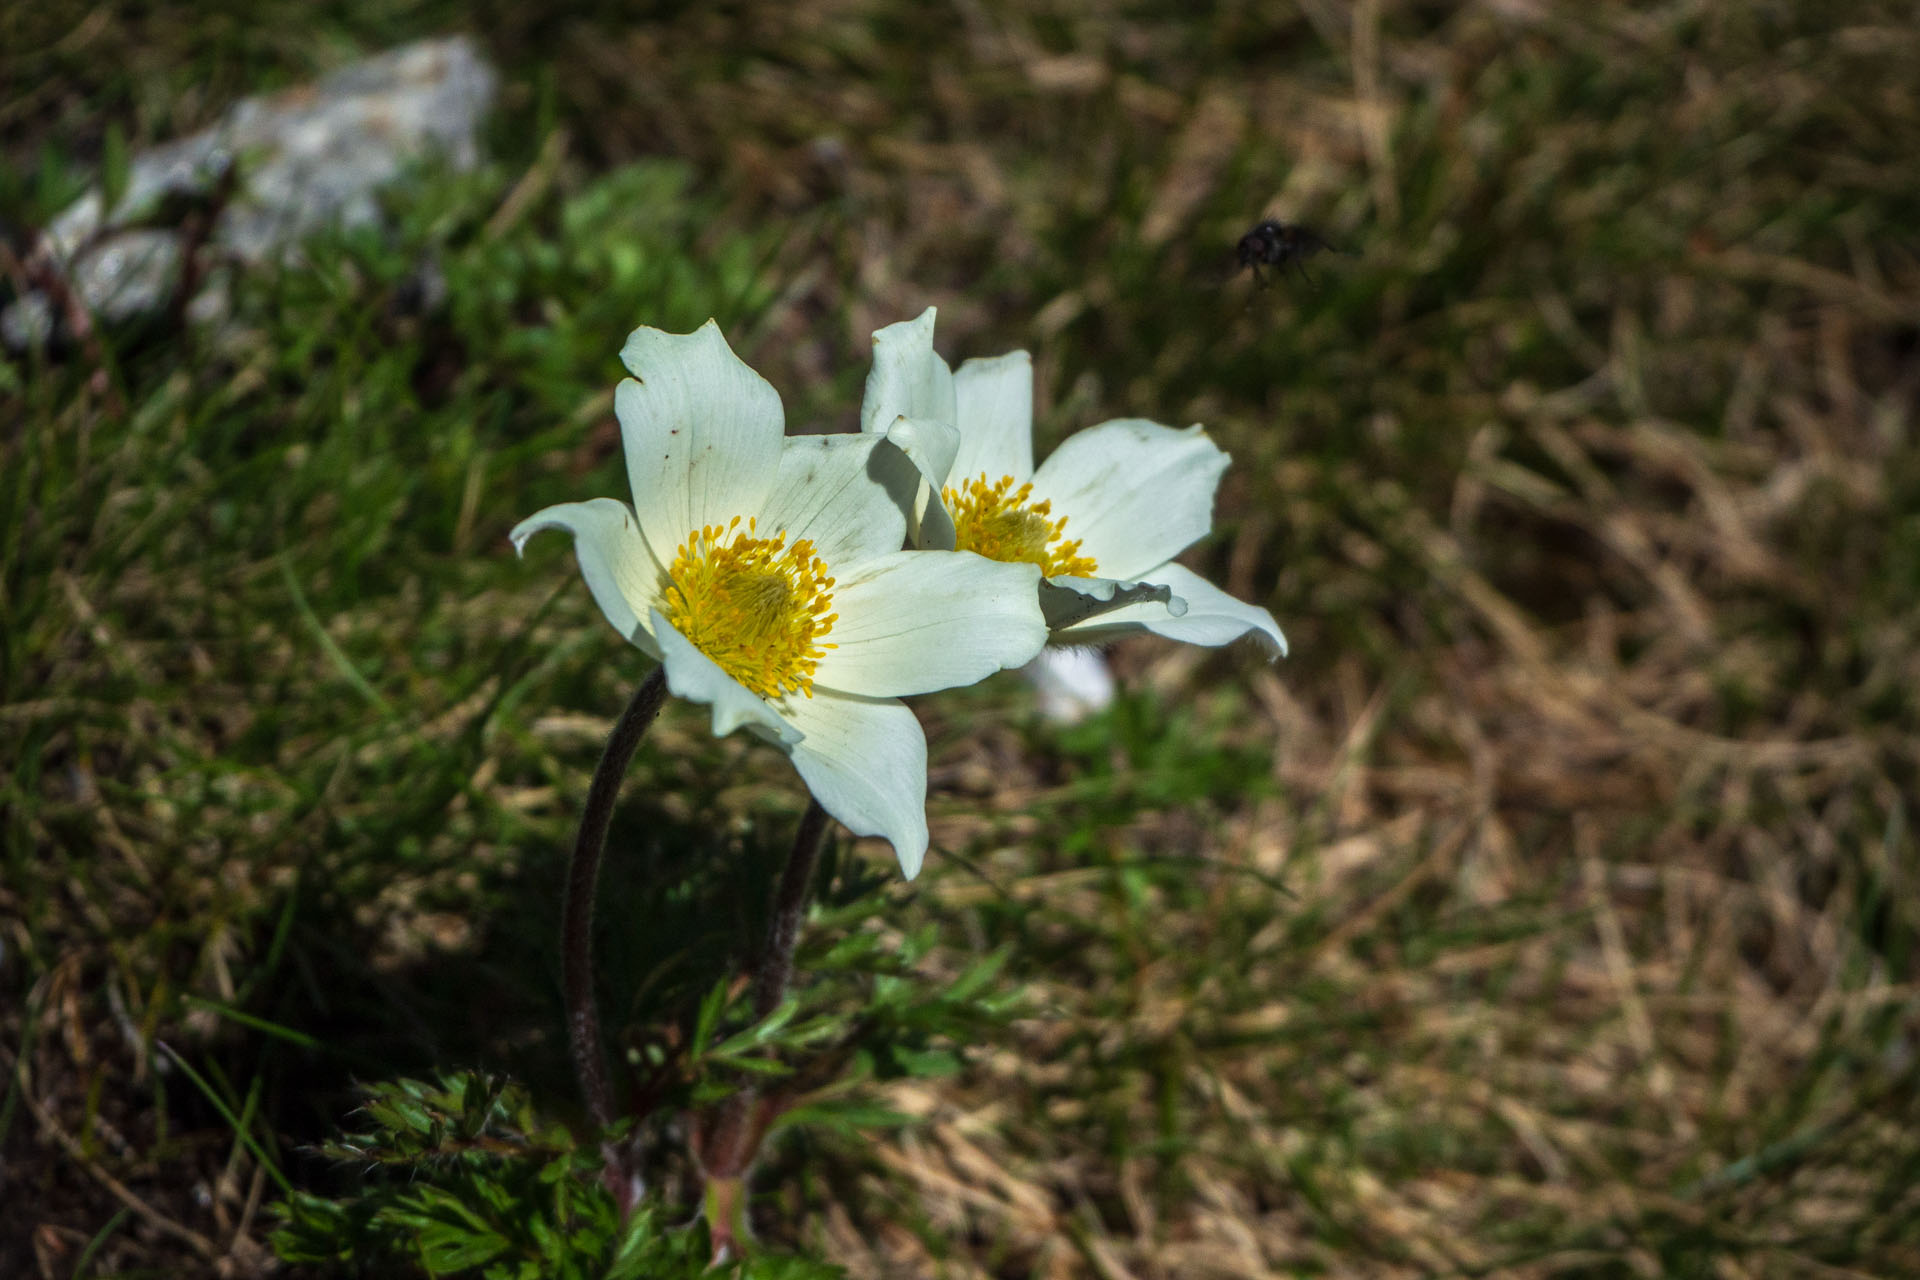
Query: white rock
305,159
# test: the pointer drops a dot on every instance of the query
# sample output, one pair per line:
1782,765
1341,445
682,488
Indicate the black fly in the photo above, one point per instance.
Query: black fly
1281,245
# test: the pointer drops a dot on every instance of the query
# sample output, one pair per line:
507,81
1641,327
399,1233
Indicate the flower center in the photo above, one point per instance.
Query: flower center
756,606
1001,522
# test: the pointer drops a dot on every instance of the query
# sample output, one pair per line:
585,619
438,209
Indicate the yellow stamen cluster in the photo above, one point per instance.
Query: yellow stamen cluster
1000,522
756,606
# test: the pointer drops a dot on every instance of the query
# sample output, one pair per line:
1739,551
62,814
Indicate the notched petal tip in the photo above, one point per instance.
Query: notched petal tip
901,329
648,344
908,376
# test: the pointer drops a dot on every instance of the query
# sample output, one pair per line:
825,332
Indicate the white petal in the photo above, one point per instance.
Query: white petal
994,401
916,621
865,760
850,494
907,380
1135,493
1212,617
931,444
702,433
620,570
694,676
932,528
1067,602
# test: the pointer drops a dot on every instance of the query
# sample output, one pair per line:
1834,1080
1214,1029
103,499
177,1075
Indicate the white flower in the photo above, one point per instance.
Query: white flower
766,574
1103,517
1070,684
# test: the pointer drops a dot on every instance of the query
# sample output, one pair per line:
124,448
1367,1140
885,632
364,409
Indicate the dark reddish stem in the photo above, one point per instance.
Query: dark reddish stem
583,878
775,969
728,1142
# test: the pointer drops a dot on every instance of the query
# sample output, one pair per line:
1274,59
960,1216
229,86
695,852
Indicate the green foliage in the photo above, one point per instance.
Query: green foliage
460,1177
347,456
865,1010
464,1176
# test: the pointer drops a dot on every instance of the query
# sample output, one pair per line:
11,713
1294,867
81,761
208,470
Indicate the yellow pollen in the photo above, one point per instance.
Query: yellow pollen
756,606
1001,522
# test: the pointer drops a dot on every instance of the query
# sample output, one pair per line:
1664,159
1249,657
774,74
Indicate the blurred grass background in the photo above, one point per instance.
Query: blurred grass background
1550,912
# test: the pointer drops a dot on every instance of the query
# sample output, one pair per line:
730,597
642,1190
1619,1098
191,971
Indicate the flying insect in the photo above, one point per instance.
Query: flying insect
1280,245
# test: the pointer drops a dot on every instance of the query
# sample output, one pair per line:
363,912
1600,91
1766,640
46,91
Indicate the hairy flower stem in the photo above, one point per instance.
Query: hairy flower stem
583,877
728,1143
775,969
